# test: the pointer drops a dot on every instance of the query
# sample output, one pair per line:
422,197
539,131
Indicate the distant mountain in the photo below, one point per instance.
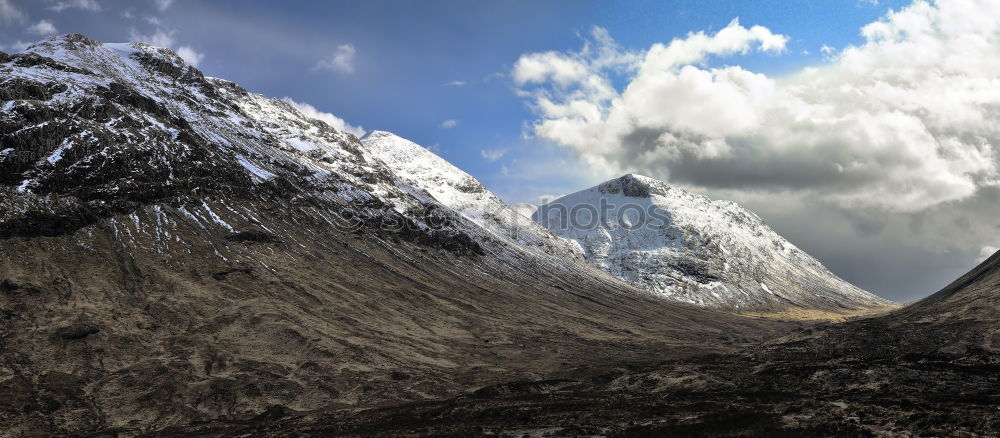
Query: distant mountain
688,248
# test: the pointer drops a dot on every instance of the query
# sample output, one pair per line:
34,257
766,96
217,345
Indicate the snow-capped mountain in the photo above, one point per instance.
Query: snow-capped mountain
122,125
426,174
176,249
689,248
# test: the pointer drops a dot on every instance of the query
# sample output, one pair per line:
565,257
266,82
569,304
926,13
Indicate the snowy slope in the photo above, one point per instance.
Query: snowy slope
689,248
426,174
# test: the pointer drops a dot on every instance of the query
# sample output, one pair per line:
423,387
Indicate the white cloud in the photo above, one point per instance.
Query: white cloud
160,38
42,27
10,14
341,61
435,148
987,251
454,84
189,55
15,47
450,123
902,122
163,5
165,38
86,5
492,155
330,119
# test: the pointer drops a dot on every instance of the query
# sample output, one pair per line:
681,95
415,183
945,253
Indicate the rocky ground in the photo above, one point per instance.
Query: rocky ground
930,369
717,395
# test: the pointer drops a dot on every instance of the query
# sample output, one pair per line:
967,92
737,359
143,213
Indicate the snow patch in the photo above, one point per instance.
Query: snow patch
256,171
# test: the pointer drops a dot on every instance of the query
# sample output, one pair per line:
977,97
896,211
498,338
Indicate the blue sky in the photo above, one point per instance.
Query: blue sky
440,74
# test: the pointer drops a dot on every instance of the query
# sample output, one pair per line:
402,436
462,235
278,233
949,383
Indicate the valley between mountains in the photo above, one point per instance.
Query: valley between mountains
183,256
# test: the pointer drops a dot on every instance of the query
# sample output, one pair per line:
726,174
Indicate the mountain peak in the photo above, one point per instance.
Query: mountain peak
82,51
634,186
687,247
375,133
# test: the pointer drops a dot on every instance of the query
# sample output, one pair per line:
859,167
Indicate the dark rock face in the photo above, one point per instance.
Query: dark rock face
631,186
23,89
253,236
35,60
77,331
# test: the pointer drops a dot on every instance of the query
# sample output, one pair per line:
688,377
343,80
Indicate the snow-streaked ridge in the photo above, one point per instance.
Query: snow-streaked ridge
425,174
689,248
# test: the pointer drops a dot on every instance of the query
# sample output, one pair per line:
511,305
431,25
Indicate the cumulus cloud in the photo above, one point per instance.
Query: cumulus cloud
450,123
10,14
330,119
86,5
492,155
42,27
340,61
190,55
901,122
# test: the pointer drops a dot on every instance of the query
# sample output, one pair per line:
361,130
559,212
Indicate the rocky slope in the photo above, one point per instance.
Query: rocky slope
689,248
928,369
174,249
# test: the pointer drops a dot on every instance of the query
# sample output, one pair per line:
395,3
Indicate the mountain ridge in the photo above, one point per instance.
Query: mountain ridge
176,249
687,247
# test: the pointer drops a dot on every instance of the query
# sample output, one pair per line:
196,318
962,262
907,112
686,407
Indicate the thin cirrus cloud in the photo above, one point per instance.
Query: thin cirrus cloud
450,123
902,122
340,61
492,155
10,14
454,84
85,5
163,5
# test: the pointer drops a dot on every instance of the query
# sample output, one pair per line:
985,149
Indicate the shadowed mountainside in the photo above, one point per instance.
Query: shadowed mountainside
930,369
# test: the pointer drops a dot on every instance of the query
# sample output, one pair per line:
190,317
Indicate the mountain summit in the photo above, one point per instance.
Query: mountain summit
689,248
